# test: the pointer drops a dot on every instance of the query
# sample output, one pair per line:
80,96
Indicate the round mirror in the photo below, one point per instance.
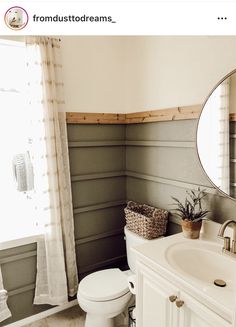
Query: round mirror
216,136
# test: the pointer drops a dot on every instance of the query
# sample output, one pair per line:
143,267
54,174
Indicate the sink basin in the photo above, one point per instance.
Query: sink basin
193,266
202,261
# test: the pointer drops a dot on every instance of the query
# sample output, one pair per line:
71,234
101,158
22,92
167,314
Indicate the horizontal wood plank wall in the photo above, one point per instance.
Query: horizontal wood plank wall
97,163
18,267
147,163
177,113
232,117
167,167
94,118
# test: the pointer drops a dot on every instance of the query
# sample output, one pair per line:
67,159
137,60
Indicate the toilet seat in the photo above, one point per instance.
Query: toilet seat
104,285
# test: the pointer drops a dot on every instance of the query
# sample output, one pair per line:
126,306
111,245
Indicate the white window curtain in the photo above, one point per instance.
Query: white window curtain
4,310
56,259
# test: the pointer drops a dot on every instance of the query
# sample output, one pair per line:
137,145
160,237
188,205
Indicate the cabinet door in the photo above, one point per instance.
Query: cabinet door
195,314
154,308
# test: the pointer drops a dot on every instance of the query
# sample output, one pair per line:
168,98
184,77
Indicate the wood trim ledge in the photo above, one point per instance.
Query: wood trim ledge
176,113
171,114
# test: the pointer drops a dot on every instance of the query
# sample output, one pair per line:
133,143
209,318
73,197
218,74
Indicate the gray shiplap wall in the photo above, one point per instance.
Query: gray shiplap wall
18,267
97,163
97,158
109,164
168,167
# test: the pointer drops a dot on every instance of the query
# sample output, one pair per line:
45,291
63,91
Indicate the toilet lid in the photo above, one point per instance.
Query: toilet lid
104,285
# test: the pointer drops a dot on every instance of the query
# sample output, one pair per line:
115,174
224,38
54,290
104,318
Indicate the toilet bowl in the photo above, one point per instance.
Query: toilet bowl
105,294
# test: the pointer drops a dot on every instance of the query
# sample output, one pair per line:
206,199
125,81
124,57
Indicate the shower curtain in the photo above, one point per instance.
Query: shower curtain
56,260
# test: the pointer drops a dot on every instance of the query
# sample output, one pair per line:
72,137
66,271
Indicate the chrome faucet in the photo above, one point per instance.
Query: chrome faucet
231,250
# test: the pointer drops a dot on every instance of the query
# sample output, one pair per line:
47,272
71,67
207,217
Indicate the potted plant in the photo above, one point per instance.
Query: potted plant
191,213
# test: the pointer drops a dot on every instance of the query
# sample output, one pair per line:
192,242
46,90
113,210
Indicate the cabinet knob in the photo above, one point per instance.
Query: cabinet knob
172,298
179,303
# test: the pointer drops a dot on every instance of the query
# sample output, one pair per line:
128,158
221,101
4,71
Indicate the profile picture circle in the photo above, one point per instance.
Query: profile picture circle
16,18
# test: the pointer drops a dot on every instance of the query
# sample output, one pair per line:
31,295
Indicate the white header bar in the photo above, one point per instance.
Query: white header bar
121,18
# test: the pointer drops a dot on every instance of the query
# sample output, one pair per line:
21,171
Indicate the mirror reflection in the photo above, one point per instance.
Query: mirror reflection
216,136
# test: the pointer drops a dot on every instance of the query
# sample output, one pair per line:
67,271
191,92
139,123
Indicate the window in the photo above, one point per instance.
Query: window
18,214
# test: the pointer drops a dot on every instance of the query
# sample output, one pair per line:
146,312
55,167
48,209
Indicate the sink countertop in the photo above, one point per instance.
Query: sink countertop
155,255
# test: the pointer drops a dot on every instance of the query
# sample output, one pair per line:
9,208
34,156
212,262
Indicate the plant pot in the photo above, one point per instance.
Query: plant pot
191,229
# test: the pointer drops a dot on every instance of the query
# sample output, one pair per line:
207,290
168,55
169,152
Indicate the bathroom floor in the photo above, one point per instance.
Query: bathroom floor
73,317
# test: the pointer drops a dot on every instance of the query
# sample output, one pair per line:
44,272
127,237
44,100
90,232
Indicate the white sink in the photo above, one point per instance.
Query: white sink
194,265
202,261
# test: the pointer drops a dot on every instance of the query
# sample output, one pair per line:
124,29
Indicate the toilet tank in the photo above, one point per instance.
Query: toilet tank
132,240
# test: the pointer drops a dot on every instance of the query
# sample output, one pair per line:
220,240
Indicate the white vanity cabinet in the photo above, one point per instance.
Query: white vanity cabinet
196,314
161,304
153,306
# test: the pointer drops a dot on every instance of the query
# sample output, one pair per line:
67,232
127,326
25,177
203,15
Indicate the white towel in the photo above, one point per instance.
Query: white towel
23,172
4,310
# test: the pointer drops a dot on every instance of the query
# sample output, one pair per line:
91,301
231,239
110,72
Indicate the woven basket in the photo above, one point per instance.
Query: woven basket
146,221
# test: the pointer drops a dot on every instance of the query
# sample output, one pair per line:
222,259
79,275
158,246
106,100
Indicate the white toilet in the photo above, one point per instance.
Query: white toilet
105,294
